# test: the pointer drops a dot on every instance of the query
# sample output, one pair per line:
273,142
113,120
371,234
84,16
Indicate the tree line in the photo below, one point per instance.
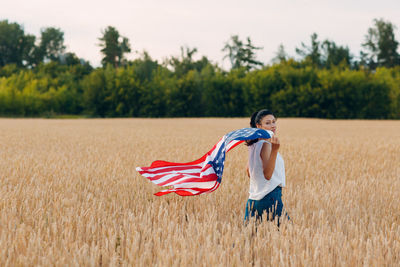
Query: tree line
38,77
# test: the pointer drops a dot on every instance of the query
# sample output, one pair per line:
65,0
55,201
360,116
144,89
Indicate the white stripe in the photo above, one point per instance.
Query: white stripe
165,178
218,146
207,172
176,182
203,185
169,176
162,168
231,144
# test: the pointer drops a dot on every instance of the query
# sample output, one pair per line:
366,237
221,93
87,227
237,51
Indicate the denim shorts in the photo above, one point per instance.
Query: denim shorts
268,207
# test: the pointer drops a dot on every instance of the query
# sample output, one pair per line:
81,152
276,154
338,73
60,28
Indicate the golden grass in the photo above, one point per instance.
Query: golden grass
70,195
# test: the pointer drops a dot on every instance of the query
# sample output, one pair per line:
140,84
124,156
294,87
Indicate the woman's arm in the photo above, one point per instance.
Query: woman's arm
268,154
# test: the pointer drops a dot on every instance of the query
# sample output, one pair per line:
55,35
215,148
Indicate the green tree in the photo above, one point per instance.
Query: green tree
380,45
15,46
241,54
334,55
28,58
51,45
280,55
69,59
114,46
186,63
144,67
311,53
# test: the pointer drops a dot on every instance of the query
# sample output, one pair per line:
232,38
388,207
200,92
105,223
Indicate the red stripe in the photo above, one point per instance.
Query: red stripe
183,192
215,186
238,143
179,192
173,168
162,193
206,167
161,163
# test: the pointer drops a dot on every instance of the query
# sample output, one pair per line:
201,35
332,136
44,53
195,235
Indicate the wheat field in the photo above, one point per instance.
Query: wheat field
70,195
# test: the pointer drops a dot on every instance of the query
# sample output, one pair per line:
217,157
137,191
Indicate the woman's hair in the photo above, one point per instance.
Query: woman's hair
256,119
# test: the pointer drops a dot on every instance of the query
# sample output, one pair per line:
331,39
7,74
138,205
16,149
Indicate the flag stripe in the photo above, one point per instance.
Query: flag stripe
160,174
187,179
233,145
169,168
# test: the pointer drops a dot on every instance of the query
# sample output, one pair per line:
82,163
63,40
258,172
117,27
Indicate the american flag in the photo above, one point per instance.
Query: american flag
203,175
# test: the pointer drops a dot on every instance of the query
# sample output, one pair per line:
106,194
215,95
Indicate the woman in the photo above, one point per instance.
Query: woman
266,170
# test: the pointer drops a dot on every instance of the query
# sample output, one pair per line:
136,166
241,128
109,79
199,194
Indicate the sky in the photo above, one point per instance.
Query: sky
161,27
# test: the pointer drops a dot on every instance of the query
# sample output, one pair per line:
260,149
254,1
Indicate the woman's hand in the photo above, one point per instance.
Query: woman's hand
275,144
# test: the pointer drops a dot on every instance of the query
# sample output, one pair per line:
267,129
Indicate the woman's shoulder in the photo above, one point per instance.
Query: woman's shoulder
259,144
263,141
262,144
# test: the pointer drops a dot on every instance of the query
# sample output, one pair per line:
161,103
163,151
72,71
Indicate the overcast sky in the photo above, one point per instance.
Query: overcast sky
161,27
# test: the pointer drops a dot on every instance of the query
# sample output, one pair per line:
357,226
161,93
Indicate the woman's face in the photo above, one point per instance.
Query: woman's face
268,122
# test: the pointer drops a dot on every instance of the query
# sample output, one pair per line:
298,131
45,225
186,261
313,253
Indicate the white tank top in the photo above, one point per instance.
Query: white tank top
259,186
